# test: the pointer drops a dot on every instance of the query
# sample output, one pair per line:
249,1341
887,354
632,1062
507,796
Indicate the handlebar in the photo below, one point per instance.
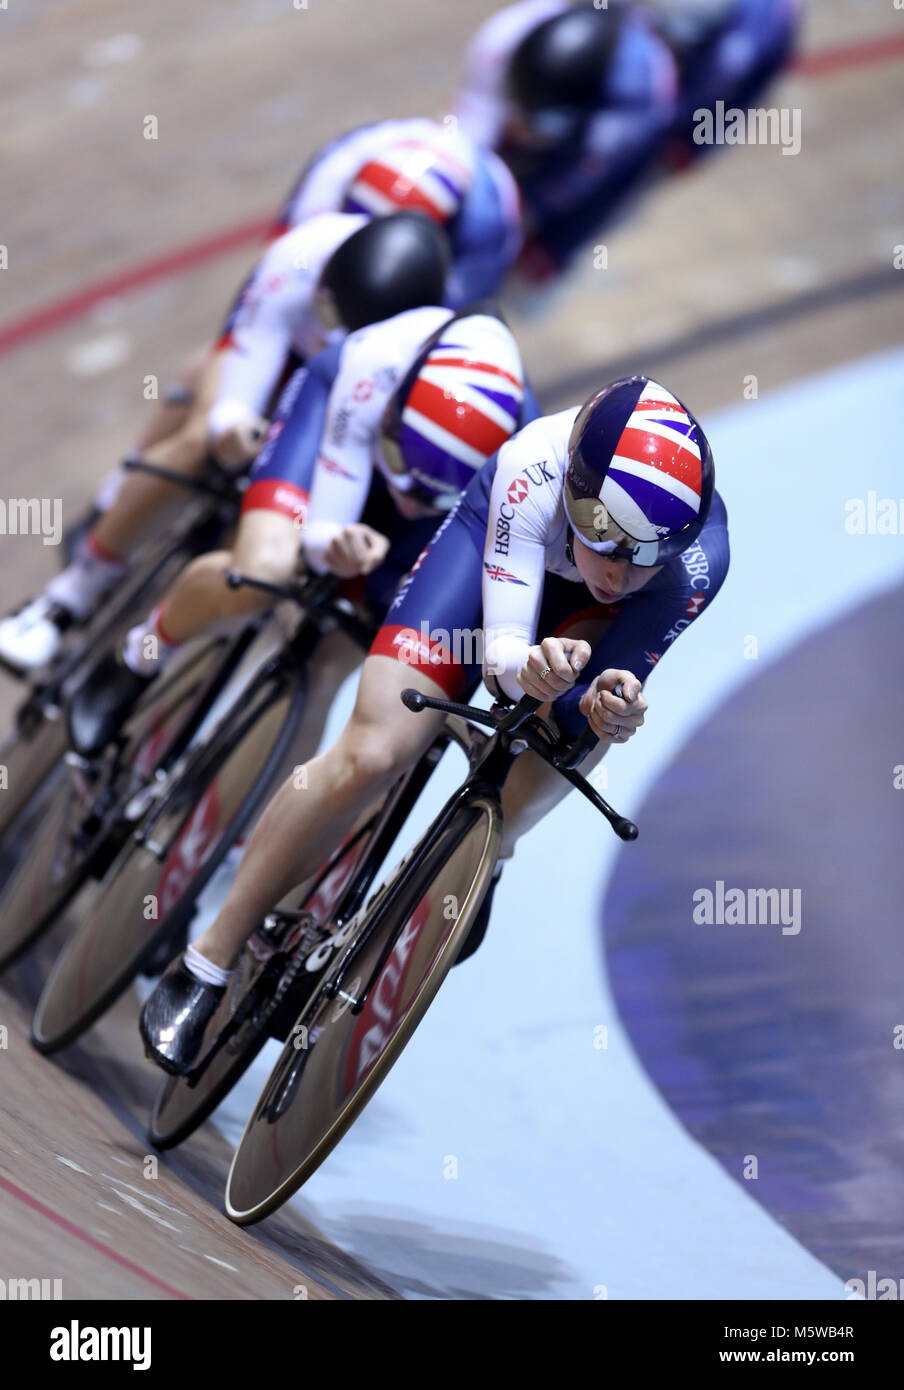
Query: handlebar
519,722
213,481
317,595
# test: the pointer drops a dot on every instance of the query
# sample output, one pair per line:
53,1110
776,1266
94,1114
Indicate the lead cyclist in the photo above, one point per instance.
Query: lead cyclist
598,527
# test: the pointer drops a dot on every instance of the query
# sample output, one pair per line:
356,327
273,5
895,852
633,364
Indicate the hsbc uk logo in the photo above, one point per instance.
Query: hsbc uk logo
695,604
534,475
696,564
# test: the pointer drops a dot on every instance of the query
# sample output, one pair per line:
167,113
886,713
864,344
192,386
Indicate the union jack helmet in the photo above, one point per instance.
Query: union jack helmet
640,475
411,176
459,403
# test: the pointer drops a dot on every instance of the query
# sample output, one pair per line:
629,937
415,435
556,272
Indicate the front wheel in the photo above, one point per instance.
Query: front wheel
337,1055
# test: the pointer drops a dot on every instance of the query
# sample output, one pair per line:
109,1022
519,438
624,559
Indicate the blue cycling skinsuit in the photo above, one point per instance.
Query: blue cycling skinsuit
501,569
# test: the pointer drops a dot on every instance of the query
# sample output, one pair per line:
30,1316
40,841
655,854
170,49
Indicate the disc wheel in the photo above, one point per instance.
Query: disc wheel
335,1058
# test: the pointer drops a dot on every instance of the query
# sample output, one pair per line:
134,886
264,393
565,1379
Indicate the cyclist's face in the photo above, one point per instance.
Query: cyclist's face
607,579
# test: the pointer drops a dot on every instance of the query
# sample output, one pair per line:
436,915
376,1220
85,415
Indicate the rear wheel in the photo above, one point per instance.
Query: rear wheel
336,1058
27,762
48,874
149,892
59,848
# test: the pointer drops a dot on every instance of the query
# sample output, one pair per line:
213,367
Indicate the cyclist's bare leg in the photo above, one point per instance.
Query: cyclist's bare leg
169,417
336,657
312,810
143,499
265,547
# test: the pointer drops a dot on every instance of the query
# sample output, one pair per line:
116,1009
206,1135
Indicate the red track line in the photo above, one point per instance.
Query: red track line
40,321
144,273
853,55
32,1202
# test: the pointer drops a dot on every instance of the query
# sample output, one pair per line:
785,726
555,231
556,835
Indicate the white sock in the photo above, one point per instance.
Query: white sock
204,969
109,489
146,651
80,587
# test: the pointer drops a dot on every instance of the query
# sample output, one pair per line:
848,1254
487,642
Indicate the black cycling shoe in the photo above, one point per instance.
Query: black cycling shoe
482,921
165,953
175,1017
99,706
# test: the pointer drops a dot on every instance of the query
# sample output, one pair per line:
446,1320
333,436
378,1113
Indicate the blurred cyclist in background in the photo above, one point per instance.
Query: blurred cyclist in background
582,101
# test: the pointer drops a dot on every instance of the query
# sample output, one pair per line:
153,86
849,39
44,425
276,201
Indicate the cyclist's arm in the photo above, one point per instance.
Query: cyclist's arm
652,620
261,337
514,562
344,469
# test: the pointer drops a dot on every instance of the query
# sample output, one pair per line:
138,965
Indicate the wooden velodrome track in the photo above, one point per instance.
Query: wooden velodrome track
755,264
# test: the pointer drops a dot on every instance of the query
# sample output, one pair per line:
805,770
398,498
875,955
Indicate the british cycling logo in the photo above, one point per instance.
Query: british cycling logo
502,576
77,1343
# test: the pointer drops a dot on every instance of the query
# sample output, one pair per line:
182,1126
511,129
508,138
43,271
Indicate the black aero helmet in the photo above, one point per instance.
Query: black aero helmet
390,265
562,64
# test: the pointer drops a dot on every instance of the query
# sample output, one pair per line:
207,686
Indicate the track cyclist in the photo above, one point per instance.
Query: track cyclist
577,99
588,544
371,446
587,103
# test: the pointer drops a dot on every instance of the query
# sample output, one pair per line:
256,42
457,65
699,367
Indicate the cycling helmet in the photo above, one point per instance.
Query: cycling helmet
640,474
560,68
411,176
457,405
387,266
